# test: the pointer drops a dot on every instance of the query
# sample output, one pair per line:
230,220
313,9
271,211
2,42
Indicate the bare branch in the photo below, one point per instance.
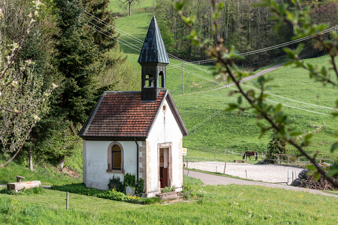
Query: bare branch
20,146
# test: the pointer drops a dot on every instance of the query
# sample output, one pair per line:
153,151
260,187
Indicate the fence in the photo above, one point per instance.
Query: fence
216,154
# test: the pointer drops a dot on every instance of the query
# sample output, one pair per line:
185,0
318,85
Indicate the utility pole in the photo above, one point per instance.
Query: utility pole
182,81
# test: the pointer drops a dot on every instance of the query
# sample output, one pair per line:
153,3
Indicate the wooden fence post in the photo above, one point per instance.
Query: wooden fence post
225,166
67,201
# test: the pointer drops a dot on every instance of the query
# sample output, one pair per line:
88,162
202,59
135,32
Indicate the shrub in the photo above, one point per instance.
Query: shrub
129,180
109,194
116,183
275,147
140,188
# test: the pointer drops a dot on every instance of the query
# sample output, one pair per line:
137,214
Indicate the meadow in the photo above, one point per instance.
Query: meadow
202,108
231,204
115,6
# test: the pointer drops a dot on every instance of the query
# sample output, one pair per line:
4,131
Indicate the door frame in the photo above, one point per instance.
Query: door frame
167,145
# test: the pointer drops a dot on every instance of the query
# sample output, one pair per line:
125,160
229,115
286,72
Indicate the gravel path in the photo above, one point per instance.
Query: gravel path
209,179
267,173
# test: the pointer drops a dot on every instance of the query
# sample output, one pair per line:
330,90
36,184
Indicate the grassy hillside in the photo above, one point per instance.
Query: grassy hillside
48,175
137,26
45,172
231,204
229,130
202,113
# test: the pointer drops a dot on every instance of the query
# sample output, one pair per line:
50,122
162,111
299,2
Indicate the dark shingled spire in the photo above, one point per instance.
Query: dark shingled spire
153,50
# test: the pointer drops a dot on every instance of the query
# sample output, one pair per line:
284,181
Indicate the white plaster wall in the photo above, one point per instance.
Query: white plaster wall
84,158
165,129
95,163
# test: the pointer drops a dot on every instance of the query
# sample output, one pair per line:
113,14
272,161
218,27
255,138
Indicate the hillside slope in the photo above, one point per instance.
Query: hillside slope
203,113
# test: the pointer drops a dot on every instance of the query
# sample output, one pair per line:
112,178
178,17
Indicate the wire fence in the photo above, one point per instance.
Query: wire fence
207,153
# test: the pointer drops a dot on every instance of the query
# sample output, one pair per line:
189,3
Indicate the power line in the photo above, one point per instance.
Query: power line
208,78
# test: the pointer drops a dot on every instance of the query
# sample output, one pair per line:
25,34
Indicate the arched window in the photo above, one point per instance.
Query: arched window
115,157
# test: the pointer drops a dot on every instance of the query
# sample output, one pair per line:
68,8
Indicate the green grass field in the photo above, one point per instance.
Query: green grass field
203,113
231,204
115,6
230,130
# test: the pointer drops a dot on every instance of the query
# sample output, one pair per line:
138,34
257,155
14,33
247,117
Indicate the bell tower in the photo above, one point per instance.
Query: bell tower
153,59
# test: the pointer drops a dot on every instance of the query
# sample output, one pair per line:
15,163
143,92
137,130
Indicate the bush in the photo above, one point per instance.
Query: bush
140,188
116,183
129,180
275,147
109,194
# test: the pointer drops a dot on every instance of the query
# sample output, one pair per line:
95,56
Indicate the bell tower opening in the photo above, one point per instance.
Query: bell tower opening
161,80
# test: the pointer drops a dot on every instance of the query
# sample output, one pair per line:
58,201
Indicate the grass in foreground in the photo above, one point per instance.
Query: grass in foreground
231,204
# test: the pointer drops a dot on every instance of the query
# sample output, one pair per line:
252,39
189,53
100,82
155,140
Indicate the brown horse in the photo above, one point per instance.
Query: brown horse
248,154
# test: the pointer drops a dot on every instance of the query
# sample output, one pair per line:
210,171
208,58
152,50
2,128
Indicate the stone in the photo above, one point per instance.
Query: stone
296,182
168,195
130,190
303,174
21,185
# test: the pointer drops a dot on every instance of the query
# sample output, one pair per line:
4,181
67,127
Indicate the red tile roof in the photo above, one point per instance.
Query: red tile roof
121,114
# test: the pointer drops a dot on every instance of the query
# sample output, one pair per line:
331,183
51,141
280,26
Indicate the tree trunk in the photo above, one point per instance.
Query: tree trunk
227,23
62,161
30,158
129,8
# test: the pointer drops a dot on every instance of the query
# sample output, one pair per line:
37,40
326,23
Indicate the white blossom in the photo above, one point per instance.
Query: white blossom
54,86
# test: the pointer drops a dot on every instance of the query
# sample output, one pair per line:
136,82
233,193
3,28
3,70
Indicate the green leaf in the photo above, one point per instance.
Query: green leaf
296,133
288,63
231,107
239,100
316,176
307,137
311,167
332,172
334,147
279,106
179,5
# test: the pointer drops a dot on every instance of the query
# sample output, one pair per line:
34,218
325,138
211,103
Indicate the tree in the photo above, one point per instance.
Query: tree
272,117
128,3
276,147
22,96
81,55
